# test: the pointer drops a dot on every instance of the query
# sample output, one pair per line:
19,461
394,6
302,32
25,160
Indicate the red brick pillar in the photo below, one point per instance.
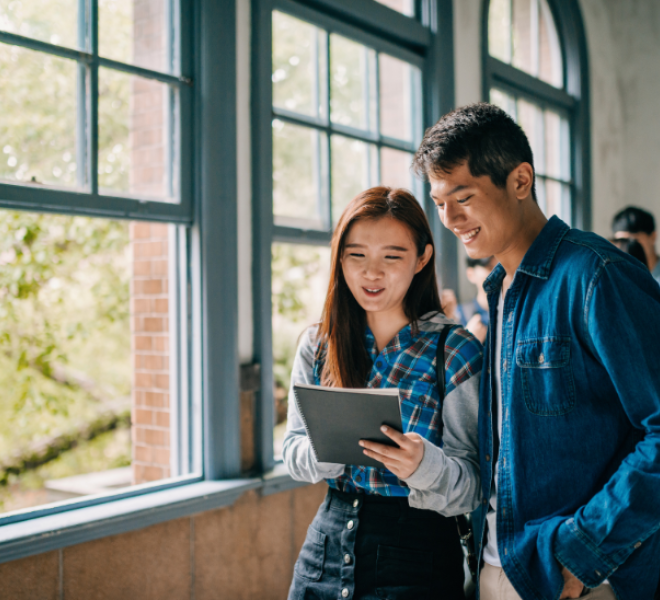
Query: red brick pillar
150,346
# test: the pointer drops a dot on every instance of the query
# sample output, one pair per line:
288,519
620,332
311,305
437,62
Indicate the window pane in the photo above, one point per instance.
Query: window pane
136,32
558,200
399,84
299,179
299,70
354,168
530,118
550,60
53,21
38,117
395,168
300,284
85,362
504,101
524,38
134,136
353,89
557,146
405,7
499,29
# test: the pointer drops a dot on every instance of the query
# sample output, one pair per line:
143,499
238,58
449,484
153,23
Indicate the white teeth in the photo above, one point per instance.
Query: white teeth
373,291
468,236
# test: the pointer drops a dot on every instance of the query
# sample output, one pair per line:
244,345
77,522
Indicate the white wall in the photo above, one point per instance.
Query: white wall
623,40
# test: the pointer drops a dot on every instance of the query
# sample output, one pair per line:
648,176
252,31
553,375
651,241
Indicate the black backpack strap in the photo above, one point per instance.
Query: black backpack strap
462,522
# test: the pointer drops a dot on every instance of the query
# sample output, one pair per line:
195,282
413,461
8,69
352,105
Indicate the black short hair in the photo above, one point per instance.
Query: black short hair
482,134
633,247
478,262
633,220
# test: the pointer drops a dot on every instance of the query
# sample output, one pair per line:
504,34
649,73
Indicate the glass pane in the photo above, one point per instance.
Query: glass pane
299,181
53,21
352,73
499,29
352,171
299,70
136,32
524,38
530,118
38,118
405,7
558,200
399,83
85,357
504,101
300,284
134,136
557,146
395,168
550,60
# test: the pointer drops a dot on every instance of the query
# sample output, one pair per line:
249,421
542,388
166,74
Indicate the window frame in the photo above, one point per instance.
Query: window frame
208,195
428,41
47,198
572,98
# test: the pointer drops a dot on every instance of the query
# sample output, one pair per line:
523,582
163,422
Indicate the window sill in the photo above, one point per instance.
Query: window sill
47,533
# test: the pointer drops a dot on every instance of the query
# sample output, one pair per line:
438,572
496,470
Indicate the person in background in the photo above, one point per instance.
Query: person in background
472,315
639,224
632,247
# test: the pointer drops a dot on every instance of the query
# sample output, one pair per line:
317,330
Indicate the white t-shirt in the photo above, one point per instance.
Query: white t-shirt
491,554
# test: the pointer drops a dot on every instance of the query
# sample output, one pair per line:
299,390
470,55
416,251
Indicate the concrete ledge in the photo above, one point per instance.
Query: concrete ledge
78,525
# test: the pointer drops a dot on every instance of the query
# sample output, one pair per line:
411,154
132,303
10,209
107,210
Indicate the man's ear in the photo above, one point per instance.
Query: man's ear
522,179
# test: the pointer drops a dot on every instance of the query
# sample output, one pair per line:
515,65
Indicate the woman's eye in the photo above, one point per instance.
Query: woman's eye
393,257
464,200
356,255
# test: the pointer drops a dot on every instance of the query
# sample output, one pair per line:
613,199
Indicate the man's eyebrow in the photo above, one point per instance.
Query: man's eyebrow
458,188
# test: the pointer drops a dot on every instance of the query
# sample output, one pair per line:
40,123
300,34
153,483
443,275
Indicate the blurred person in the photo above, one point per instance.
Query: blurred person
632,247
639,224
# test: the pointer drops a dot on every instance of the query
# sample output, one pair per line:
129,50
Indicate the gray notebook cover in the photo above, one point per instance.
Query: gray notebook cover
336,419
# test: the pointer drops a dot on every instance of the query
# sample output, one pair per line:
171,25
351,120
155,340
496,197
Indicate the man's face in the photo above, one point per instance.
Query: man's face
484,217
646,241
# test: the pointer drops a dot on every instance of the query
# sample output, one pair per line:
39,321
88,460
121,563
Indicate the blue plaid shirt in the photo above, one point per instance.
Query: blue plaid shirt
409,363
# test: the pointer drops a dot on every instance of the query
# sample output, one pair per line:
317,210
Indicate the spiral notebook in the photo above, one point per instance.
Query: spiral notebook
336,419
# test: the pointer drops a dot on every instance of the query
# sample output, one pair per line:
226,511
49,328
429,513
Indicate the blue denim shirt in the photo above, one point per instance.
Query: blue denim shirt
579,457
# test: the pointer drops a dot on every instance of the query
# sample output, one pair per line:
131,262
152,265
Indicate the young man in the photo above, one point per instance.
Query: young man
638,224
569,425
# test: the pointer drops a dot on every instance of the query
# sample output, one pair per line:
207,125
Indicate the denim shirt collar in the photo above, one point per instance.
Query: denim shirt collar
537,261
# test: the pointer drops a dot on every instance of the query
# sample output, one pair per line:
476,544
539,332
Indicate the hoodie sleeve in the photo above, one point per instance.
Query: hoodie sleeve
297,451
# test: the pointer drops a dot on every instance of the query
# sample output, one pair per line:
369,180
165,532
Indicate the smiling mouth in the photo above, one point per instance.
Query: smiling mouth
373,292
467,237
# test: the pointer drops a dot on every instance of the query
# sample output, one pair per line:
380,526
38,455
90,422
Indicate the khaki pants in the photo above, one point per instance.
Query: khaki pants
495,585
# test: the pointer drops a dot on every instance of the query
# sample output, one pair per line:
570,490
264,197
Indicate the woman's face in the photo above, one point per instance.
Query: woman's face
379,262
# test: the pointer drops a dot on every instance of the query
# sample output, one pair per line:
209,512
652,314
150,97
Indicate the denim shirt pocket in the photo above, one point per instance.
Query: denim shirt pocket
547,376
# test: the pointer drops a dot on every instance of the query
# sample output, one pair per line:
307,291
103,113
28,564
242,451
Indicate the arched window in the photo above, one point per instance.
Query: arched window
535,68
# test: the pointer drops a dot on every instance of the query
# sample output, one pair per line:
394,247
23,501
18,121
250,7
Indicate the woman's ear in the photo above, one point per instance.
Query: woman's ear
423,260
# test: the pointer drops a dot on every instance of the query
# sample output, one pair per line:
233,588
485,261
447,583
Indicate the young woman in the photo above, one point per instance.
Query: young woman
386,532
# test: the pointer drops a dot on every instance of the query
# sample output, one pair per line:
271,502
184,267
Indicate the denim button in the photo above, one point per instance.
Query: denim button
379,364
355,503
598,573
487,457
541,358
358,478
344,593
484,501
510,317
638,544
350,525
347,559
505,364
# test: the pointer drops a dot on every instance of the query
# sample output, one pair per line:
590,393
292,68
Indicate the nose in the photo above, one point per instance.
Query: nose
451,215
373,270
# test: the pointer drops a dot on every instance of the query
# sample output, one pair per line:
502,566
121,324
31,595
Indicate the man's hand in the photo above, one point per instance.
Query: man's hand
449,303
476,327
573,587
402,461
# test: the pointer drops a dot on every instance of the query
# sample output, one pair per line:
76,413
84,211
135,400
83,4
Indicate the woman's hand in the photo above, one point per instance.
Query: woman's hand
402,461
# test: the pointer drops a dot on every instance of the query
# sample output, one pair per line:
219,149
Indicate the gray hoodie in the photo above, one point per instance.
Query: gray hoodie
447,479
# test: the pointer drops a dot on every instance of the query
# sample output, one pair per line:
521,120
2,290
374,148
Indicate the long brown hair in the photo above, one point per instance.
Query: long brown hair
343,322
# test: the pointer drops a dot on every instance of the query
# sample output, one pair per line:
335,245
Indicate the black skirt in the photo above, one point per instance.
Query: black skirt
368,547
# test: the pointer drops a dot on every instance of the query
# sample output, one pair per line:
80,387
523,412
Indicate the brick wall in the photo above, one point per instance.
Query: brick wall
150,347
149,242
